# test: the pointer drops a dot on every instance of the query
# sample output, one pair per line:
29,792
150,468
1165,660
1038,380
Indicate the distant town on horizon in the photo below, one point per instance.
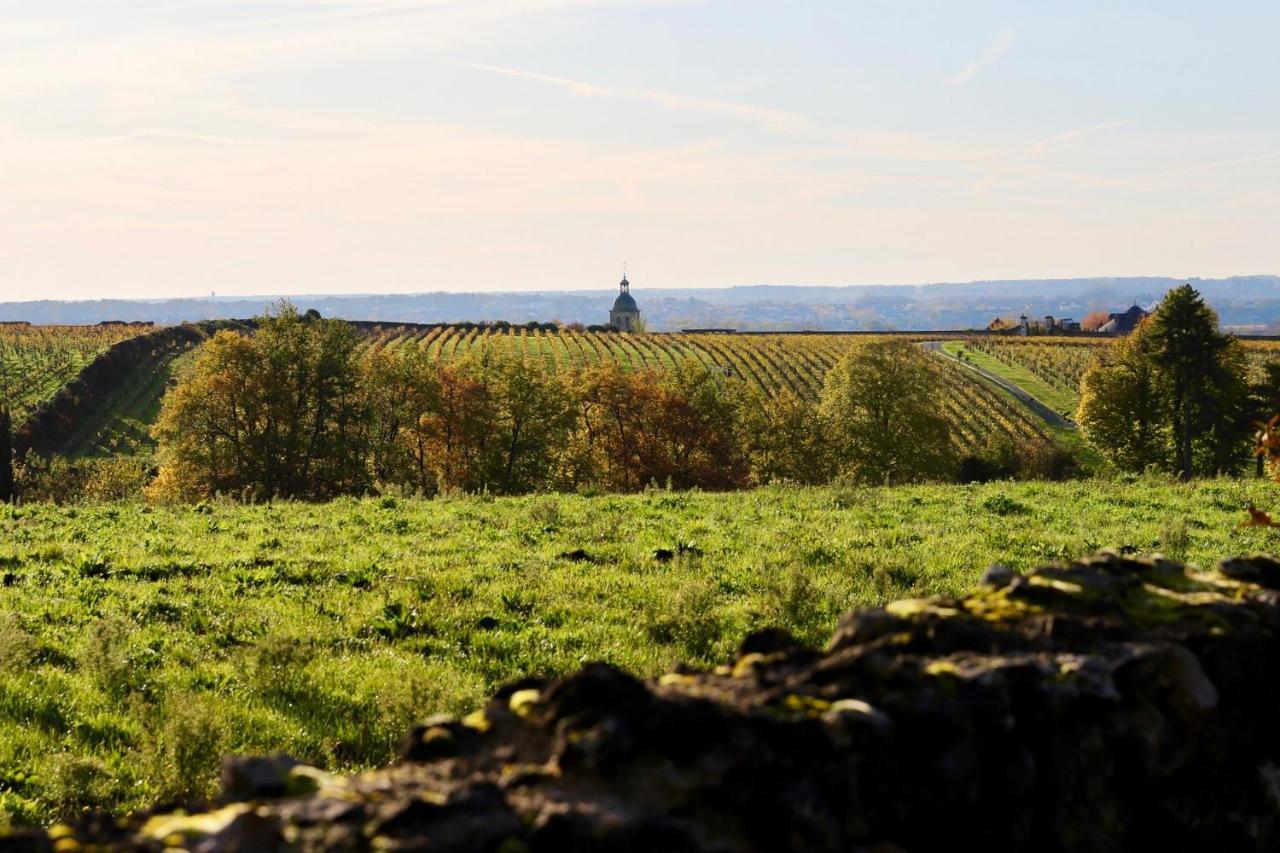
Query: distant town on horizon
1246,304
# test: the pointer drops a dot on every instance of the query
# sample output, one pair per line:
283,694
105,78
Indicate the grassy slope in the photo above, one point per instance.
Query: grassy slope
139,644
1035,386
1055,398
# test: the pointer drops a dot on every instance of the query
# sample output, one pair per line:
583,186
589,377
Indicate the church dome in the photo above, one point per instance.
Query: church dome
625,302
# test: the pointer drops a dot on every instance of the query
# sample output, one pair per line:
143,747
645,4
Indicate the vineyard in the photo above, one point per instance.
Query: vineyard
1059,362
123,426
1062,362
771,364
36,361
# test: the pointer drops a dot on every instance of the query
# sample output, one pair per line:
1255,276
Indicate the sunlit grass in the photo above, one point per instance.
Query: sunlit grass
138,644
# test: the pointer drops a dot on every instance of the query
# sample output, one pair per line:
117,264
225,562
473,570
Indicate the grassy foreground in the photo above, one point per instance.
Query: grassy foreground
139,644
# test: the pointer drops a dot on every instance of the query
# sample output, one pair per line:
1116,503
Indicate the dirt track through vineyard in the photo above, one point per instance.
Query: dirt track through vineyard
1042,411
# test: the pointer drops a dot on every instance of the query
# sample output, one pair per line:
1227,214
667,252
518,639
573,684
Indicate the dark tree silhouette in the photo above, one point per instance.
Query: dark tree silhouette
6,455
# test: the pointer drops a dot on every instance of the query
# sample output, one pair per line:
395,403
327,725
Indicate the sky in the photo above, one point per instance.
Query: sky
154,148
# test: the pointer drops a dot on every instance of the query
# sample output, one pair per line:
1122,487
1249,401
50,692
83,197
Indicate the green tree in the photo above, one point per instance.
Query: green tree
1121,405
402,393
881,409
788,440
276,413
696,427
1172,395
533,414
1203,374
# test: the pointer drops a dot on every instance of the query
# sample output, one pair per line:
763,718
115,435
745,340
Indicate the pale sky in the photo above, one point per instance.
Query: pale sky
177,147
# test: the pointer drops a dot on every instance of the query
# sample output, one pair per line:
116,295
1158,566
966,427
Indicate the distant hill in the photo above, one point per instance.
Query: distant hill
1249,302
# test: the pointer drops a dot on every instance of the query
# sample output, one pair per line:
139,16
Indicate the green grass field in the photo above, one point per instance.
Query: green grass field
139,644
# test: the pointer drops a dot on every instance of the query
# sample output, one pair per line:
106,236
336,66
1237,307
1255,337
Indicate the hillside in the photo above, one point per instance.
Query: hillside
37,361
110,412
108,406
1059,364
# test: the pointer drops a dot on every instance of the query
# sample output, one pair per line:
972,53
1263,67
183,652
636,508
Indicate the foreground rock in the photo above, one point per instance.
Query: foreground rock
1111,704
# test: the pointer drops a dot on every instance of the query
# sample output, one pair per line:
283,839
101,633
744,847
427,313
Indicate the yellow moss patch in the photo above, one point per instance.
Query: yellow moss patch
909,608
809,705
676,679
1054,583
999,607
166,828
747,663
477,720
525,703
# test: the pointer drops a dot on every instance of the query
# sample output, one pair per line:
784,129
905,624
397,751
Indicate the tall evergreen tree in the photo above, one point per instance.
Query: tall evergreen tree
1205,392
1173,395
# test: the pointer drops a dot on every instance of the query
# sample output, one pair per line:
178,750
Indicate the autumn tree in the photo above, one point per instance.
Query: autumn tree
456,434
881,407
1094,320
1173,394
696,426
1264,402
613,445
278,413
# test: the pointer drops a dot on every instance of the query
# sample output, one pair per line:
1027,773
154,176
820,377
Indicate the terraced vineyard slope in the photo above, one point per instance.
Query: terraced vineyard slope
772,364
37,361
108,407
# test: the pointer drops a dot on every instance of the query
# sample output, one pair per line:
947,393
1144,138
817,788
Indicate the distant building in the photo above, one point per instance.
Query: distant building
1024,326
1066,324
1124,322
625,314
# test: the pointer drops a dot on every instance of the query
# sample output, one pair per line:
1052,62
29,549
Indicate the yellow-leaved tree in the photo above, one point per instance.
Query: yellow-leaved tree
276,413
882,412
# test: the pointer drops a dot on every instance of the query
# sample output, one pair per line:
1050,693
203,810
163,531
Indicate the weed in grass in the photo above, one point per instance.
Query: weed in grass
17,647
1175,539
184,757
1003,505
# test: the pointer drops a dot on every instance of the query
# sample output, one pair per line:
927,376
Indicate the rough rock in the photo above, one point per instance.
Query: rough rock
1115,703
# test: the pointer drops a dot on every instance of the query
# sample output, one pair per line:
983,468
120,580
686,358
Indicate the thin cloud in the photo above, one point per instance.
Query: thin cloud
1223,164
1040,147
778,120
22,30
993,52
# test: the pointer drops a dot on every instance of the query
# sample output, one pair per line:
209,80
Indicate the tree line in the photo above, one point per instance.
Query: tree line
299,410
